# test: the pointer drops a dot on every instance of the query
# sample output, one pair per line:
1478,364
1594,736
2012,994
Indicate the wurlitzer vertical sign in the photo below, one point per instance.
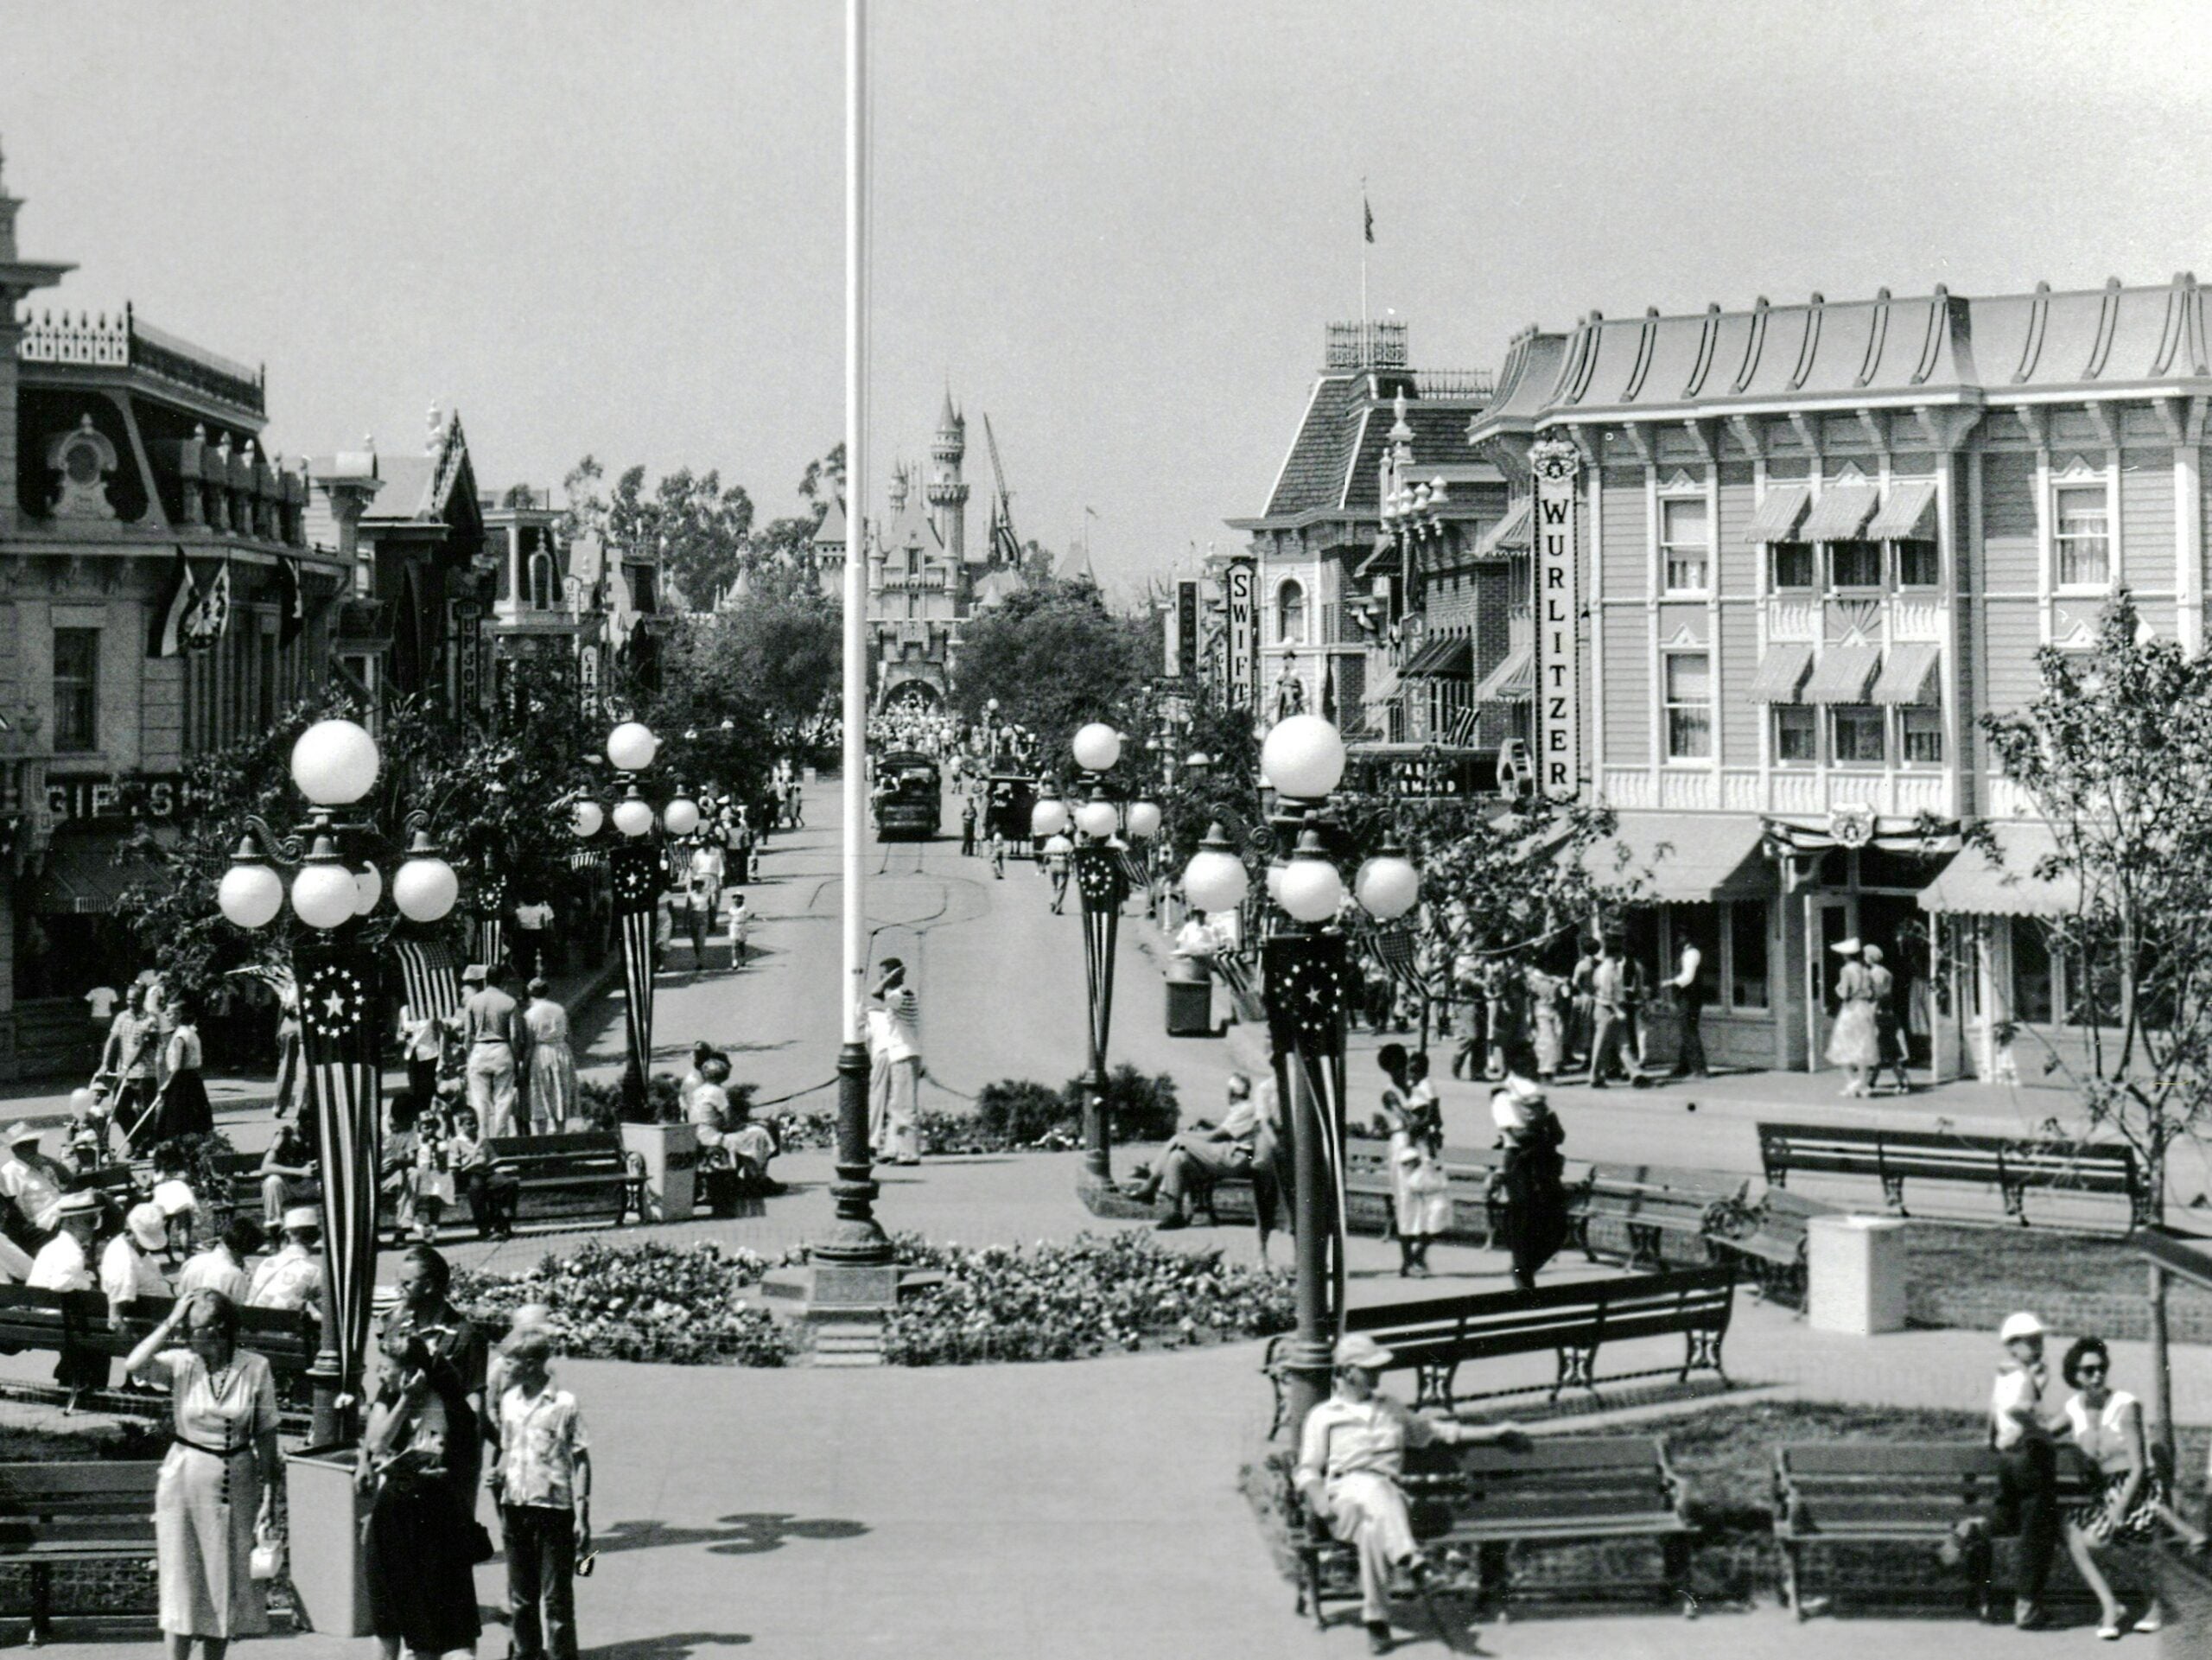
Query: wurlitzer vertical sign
1243,634
1555,467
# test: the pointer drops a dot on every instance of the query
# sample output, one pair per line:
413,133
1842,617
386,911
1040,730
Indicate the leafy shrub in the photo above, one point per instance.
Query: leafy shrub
639,1302
1138,1109
797,1132
1065,1302
605,1107
1019,1111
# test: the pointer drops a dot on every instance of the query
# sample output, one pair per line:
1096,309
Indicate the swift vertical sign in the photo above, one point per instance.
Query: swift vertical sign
1239,581
1554,465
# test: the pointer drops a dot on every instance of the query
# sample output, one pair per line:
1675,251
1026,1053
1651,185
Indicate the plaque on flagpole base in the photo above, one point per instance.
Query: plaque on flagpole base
323,1536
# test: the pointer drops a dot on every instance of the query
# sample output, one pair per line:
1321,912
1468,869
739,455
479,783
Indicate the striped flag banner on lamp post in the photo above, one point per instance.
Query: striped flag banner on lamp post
1102,884
637,877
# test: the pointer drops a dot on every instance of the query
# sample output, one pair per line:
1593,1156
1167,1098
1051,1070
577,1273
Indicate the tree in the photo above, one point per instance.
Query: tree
824,479
700,526
1054,658
2114,752
778,653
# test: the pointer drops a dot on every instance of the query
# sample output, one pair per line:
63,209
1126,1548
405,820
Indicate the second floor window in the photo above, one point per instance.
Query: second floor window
1922,732
1684,544
1855,564
1859,737
1793,733
1793,564
1916,564
1689,706
2084,550
1290,615
76,690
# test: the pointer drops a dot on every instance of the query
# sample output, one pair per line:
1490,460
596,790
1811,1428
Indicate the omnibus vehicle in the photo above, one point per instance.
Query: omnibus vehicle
907,803
1011,796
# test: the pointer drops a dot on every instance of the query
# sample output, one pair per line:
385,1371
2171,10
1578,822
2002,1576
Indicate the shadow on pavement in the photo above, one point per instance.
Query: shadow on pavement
731,1536
675,1646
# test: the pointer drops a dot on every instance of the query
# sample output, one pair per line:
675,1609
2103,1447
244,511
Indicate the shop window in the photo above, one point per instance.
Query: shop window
1854,564
2032,991
2084,550
1685,543
1916,564
1793,564
1794,739
76,690
1747,925
1689,706
1921,733
1858,736
1290,615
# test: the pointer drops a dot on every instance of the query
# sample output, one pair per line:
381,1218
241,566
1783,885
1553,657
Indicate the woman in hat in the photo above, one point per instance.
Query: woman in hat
552,1092
1420,1191
1854,1045
217,1486
1531,1181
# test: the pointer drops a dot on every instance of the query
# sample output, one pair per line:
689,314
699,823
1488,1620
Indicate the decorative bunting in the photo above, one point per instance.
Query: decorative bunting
338,995
1307,979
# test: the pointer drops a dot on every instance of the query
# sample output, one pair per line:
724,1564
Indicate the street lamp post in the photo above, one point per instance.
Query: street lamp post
1304,965
334,886
637,865
1101,870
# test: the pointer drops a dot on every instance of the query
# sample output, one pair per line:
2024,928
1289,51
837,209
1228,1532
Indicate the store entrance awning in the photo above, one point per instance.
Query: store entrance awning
1972,884
1449,658
82,878
1683,858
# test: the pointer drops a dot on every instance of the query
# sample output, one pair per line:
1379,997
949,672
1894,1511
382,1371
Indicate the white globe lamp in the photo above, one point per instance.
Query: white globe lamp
630,747
681,816
324,895
1388,885
1097,746
1215,879
1144,820
633,817
1310,888
334,763
1058,844
1048,817
1097,819
425,887
368,885
1303,757
251,895
1274,880
585,818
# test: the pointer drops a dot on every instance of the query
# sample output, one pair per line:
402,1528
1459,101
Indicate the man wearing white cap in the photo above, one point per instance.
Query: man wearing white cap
128,1270
63,1264
1349,1457
26,1178
293,1277
2025,1431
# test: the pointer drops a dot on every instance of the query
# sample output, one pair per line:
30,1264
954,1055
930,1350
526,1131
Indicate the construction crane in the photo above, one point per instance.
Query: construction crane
1006,548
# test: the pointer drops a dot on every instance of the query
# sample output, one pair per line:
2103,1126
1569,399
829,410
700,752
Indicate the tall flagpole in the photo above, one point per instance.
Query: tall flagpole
857,1240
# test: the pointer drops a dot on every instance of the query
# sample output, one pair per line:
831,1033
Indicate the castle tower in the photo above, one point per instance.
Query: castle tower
948,496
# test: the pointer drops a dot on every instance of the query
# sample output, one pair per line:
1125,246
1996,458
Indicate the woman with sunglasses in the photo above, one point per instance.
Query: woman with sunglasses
2108,1426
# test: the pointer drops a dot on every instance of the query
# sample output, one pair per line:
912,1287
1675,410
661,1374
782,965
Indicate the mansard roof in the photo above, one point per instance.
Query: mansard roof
1335,462
1524,384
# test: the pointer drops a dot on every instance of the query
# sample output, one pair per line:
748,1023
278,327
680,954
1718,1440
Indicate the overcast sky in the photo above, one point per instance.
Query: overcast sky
1117,228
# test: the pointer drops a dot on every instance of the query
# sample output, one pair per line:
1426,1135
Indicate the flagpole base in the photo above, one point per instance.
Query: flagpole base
327,1423
1307,1366
856,1239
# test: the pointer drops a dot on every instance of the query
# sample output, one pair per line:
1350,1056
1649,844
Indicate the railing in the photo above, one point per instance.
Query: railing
1811,792
1455,383
1366,346
120,342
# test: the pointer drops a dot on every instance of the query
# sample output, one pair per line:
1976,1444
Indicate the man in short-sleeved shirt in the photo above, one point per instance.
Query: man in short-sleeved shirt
542,1483
293,1277
2022,1431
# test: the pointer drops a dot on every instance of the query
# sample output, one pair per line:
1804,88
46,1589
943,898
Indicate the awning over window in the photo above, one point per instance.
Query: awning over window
1840,514
1973,885
1779,512
1513,681
1385,688
1908,515
1909,674
1449,658
1781,673
82,878
1684,858
1842,675
1509,535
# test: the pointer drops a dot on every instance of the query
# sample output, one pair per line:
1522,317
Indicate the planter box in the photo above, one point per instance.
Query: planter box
670,1153
323,1534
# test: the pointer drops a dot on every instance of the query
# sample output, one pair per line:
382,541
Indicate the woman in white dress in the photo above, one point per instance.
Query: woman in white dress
552,1063
1421,1192
217,1483
1854,1044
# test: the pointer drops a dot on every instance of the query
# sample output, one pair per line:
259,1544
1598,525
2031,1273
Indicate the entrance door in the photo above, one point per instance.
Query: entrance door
1830,918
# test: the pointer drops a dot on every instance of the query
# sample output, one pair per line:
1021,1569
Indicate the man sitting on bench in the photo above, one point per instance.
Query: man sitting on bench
1201,1156
1349,1458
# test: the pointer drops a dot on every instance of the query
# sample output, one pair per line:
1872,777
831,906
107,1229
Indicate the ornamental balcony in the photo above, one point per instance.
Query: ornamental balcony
124,342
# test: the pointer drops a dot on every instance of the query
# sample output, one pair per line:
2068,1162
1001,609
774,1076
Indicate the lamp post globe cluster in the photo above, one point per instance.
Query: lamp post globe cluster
1102,863
1302,759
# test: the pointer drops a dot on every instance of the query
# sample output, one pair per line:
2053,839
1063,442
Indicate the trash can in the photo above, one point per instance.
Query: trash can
1190,999
1855,1268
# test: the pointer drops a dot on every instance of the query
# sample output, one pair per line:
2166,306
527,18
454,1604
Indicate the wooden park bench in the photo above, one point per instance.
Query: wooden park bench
1471,1174
1767,1241
1436,1335
34,1318
1914,1493
1471,1505
1632,1212
2014,1168
569,1178
91,1510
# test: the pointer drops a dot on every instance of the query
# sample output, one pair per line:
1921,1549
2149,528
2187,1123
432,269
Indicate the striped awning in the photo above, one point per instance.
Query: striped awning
1842,675
1509,535
1449,658
1681,858
1779,512
1840,513
1908,515
1782,672
1975,885
1909,674
1513,681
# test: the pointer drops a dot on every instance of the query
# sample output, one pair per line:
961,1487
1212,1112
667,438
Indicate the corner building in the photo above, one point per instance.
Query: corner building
1814,544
